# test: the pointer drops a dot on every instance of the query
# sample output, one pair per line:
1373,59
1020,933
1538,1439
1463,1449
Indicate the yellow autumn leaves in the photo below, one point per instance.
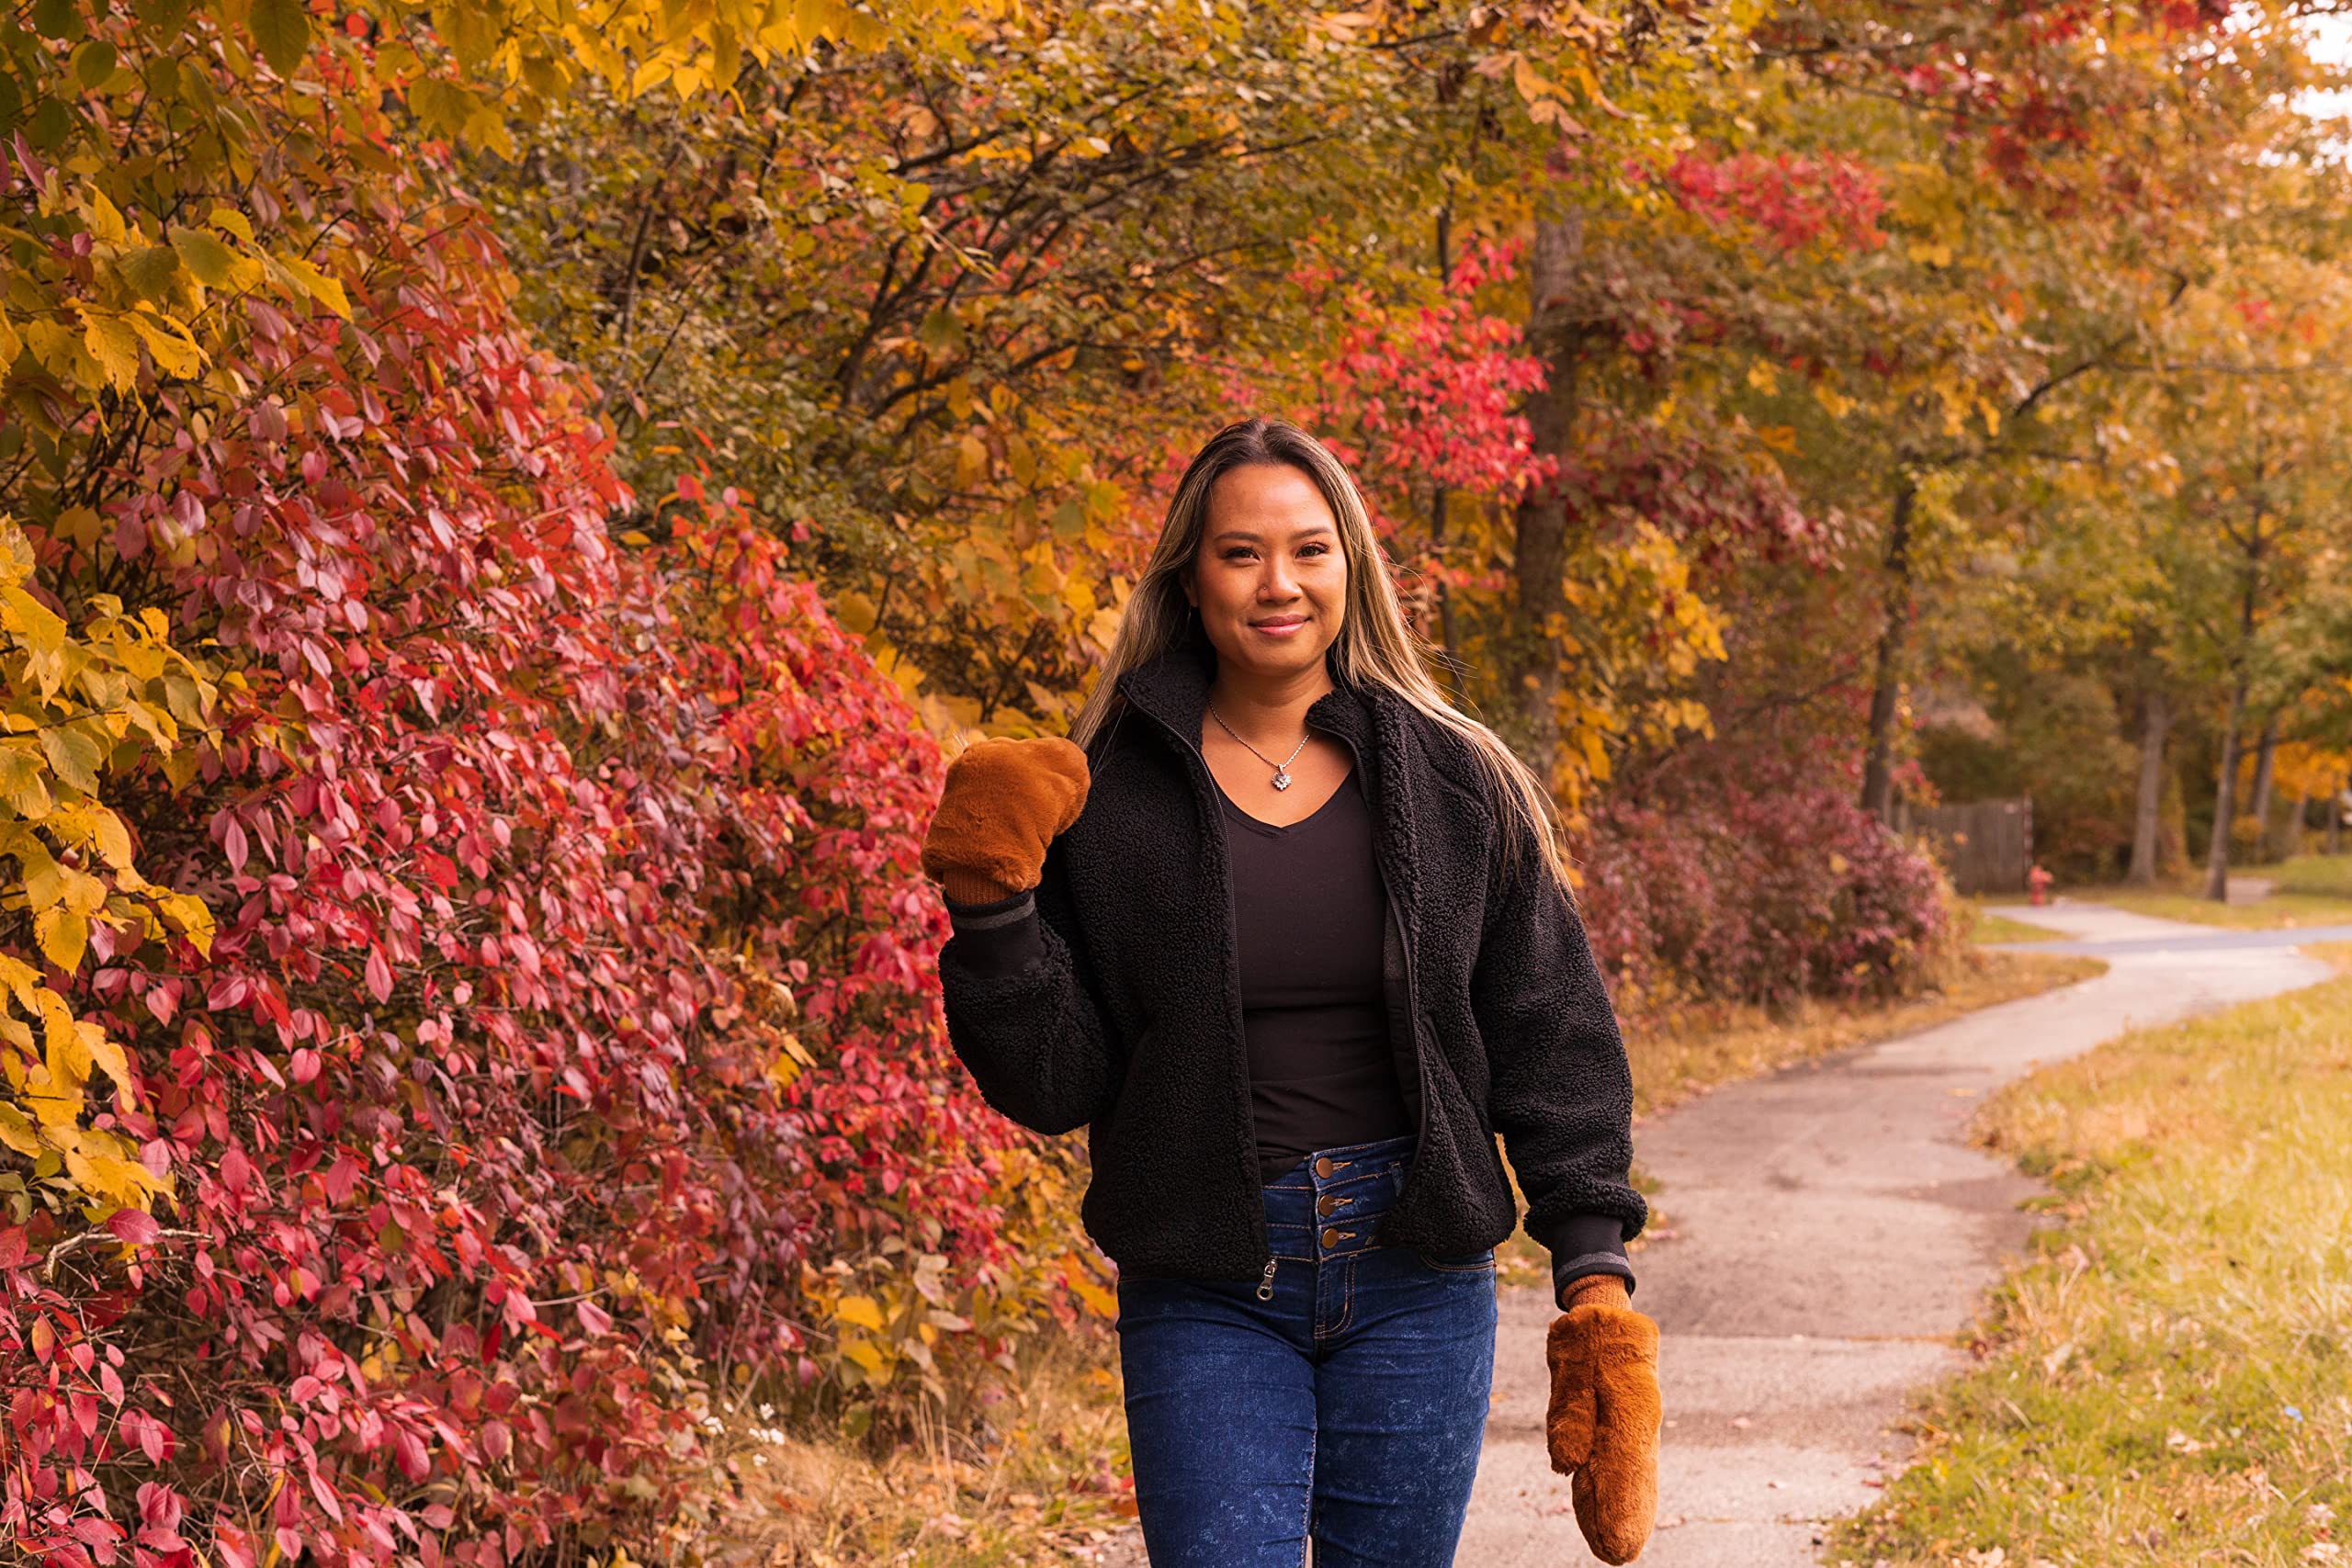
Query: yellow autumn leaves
151,290
72,708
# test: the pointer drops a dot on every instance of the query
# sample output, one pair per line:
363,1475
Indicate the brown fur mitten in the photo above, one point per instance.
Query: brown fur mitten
1605,1415
1004,802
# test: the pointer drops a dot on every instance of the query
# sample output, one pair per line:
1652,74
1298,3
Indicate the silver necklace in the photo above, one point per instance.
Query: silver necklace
1282,769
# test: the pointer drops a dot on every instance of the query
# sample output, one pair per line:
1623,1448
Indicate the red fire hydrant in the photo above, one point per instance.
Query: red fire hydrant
2037,882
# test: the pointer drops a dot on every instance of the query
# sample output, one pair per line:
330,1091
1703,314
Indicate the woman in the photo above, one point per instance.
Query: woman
1288,934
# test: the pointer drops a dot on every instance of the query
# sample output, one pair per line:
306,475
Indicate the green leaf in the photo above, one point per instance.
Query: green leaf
212,261
152,271
940,331
441,106
57,19
93,63
281,29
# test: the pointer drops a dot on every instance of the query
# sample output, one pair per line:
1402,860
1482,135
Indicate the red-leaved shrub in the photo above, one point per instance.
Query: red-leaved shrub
569,1039
1761,884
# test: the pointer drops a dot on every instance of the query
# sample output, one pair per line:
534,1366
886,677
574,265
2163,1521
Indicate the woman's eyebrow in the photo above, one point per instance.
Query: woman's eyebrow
1312,531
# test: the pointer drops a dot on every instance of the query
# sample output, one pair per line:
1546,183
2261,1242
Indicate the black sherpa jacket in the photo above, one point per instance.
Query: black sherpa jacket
1109,997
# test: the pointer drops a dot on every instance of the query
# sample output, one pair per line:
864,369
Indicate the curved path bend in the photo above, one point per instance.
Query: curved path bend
1833,1232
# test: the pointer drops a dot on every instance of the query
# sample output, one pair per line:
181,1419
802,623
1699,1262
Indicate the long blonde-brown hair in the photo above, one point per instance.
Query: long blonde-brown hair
1376,646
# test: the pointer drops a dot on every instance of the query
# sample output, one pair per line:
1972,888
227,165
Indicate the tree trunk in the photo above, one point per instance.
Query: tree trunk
2288,839
1530,660
2155,729
2217,853
1878,768
2266,752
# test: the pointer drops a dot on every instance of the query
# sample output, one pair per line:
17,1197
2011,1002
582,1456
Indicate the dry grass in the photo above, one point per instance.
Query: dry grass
2169,1381
1044,1483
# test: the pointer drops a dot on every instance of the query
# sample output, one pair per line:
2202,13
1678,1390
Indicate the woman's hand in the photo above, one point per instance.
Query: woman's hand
1004,801
1603,1422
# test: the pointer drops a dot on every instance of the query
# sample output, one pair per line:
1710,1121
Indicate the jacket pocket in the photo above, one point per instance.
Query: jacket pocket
1494,1160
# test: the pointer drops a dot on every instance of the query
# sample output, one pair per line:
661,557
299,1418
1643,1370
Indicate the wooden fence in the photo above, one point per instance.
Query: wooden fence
1988,844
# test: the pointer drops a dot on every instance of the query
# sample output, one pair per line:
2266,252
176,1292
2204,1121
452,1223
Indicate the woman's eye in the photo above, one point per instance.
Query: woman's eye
1240,552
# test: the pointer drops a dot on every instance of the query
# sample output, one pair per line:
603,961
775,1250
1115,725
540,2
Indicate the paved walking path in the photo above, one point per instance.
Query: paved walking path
1832,1232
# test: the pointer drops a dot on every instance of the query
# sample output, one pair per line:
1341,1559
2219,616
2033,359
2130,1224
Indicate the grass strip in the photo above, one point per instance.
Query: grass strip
1987,927
2275,911
2306,890
2168,1379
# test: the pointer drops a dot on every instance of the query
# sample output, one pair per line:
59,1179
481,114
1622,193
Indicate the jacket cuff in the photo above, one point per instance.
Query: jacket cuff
998,938
1582,1245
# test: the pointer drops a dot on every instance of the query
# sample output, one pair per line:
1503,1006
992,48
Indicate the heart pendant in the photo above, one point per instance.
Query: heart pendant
1281,778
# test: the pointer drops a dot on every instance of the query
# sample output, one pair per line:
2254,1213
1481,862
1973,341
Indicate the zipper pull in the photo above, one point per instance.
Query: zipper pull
1266,1285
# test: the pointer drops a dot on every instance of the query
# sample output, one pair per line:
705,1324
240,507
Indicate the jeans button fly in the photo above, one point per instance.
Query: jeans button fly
1323,1165
1330,1236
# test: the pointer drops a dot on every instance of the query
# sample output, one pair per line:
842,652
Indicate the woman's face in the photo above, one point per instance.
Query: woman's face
1269,579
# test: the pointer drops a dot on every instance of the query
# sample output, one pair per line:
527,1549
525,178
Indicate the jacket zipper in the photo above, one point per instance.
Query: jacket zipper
1412,1006
1233,993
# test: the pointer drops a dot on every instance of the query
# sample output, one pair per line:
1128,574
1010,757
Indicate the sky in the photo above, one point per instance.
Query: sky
2331,41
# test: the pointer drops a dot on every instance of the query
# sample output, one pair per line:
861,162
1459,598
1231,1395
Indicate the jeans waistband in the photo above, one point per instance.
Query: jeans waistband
1344,1160
1326,1204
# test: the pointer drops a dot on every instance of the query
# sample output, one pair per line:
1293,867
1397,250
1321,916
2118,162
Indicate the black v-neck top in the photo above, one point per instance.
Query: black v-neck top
1307,910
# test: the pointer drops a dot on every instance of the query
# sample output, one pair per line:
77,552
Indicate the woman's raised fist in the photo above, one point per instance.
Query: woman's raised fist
1004,801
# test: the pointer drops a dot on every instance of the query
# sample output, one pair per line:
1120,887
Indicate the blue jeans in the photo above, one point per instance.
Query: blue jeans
1349,1408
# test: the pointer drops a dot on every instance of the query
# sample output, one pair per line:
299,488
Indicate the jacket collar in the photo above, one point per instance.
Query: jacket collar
1174,687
